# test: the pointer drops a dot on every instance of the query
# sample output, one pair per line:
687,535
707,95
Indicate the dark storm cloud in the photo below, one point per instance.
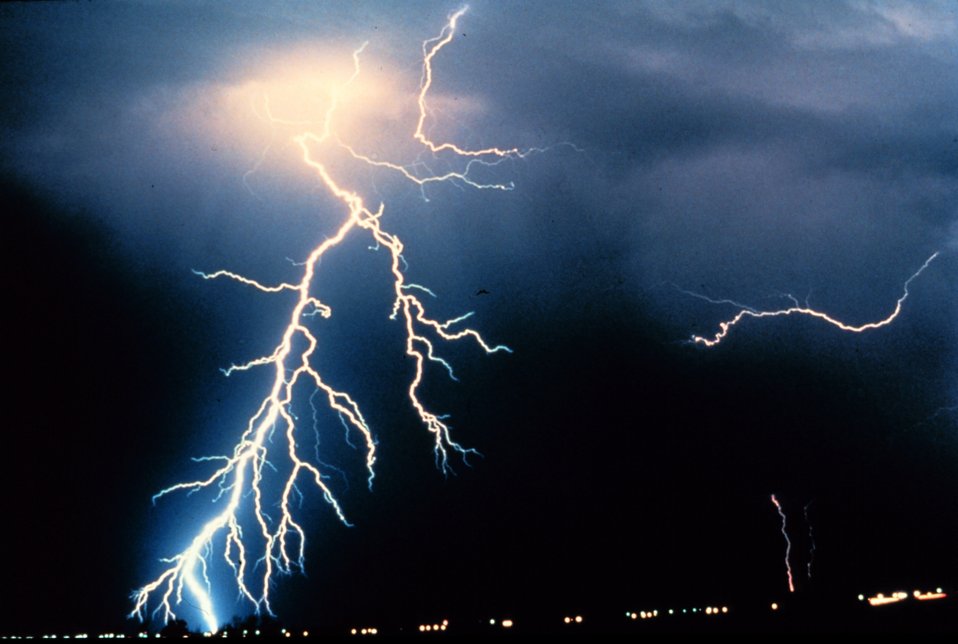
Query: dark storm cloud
60,51
750,138
740,149
652,92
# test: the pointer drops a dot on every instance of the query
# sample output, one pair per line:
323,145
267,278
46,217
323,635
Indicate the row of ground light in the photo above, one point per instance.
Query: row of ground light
878,599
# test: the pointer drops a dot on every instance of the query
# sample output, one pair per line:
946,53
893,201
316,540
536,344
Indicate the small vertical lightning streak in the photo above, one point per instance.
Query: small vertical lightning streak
811,542
788,545
240,476
725,327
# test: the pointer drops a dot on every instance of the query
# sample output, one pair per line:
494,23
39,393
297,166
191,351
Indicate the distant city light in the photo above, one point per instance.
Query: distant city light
430,628
881,600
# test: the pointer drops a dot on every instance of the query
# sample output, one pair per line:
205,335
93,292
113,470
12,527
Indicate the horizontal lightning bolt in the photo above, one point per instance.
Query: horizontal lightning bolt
749,312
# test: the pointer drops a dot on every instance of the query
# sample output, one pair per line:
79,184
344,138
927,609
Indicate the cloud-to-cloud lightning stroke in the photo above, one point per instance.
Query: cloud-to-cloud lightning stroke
748,312
280,542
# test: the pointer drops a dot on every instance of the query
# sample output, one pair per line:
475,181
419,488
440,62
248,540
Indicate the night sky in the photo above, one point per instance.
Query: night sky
738,150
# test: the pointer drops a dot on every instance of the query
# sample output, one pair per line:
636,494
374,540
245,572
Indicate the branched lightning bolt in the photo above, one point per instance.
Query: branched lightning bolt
796,309
239,476
788,545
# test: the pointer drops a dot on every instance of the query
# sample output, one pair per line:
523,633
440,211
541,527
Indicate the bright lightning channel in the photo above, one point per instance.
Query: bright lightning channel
788,545
796,309
240,475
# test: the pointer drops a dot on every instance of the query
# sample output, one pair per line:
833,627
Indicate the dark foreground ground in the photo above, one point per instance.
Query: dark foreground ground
907,617
795,616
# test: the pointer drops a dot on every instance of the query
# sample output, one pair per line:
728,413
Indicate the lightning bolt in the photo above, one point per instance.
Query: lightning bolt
811,541
279,543
788,545
796,309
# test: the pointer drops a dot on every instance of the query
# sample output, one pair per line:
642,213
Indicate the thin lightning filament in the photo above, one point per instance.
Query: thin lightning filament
788,545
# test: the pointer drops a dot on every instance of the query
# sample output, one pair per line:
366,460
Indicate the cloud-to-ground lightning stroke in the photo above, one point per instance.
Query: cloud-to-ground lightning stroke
796,309
280,541
788,545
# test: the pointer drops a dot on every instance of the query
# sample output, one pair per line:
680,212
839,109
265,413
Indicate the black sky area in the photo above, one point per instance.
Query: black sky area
621,465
